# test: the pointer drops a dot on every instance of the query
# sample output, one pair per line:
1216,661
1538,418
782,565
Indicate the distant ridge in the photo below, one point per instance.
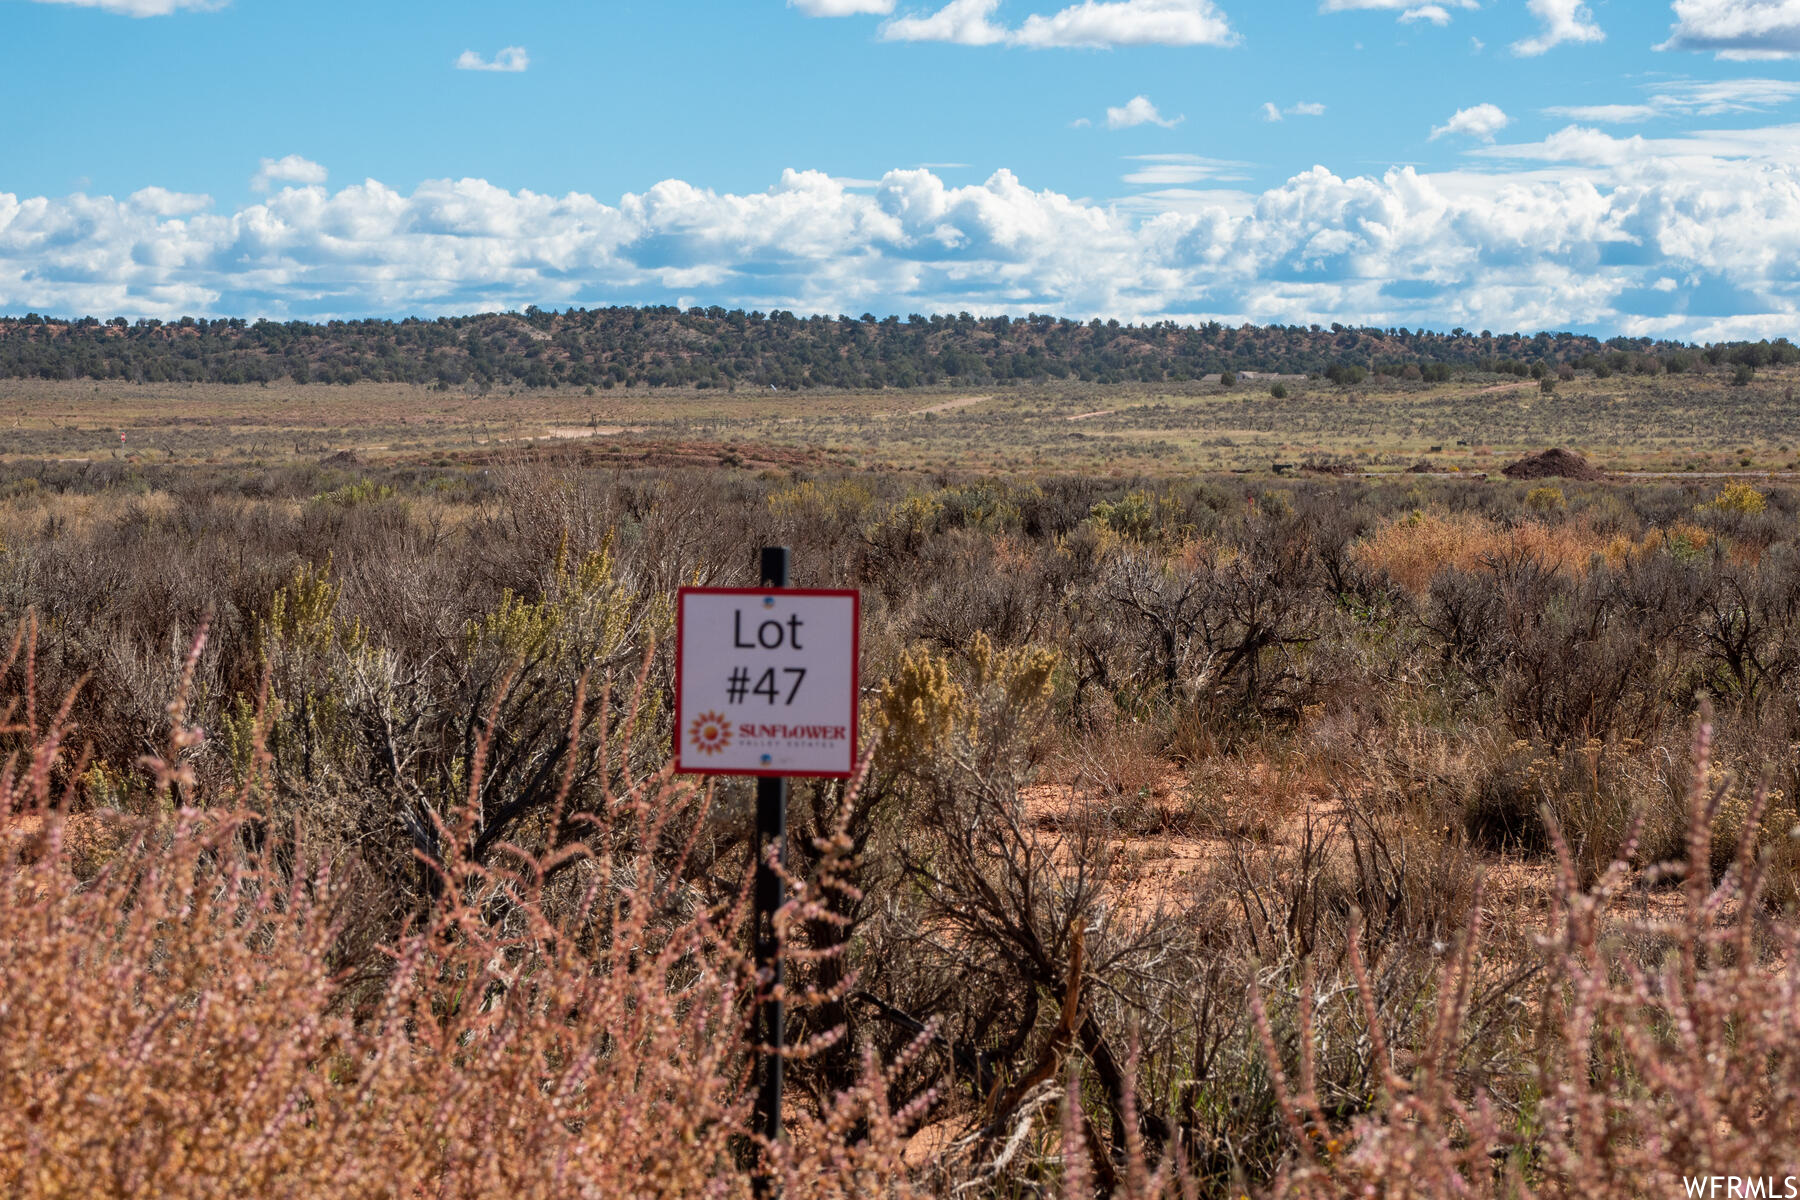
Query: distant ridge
671,347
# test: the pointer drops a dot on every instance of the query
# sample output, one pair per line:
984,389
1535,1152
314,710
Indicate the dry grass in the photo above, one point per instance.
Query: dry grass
1414,548
1137,773
1667,1048
1166,429
186,1023
183,1021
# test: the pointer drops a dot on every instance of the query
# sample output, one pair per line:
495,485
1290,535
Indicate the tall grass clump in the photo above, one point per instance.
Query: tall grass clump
1665,1042
1412,549
192,1021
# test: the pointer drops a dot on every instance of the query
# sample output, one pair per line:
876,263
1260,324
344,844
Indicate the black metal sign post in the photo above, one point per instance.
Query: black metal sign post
771,831
766,686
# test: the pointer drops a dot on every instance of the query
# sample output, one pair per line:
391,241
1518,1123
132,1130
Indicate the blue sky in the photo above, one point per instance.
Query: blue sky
1613,167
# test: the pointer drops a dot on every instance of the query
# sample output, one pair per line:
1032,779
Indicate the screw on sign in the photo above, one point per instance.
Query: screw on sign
766,685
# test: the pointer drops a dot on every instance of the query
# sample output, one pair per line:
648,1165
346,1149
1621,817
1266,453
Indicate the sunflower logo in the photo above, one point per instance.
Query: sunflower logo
710,732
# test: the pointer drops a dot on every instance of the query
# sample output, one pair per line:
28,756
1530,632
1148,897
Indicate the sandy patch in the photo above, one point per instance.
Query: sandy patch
587,431
1098,412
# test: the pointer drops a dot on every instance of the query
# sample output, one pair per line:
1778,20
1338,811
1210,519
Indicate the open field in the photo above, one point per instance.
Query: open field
1256,828
1675,423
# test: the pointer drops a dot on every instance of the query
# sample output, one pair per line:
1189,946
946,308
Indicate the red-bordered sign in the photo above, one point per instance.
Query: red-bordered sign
766,681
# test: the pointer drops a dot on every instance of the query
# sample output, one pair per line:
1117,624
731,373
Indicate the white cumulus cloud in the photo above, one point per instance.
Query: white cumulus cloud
1737,29
1092,24
291,169
144,8
1561,21
1575,144
842,8
1481,121
1272,111
1139,111
510,58
1102,23
965,22
1437,14
1409,10
1582,230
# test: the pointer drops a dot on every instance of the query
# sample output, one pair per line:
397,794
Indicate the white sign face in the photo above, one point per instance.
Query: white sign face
765,681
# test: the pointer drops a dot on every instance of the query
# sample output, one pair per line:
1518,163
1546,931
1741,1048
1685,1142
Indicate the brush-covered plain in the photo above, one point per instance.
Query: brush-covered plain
1702,420
1401,834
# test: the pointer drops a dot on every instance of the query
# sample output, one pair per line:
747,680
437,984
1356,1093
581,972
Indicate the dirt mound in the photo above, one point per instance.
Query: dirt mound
1553,464
1318,467
343,458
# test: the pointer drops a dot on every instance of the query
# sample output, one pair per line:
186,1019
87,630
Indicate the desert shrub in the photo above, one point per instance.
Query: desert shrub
968,583
1504,810
822,519
1599,795
1746,625
478,1052
1545,499
1413,549
490,1059
1670,1055
361,491
1132,517
1028,935
1738,498
1682,541
569,1022
1604,654
900,532
989,505
1221,633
